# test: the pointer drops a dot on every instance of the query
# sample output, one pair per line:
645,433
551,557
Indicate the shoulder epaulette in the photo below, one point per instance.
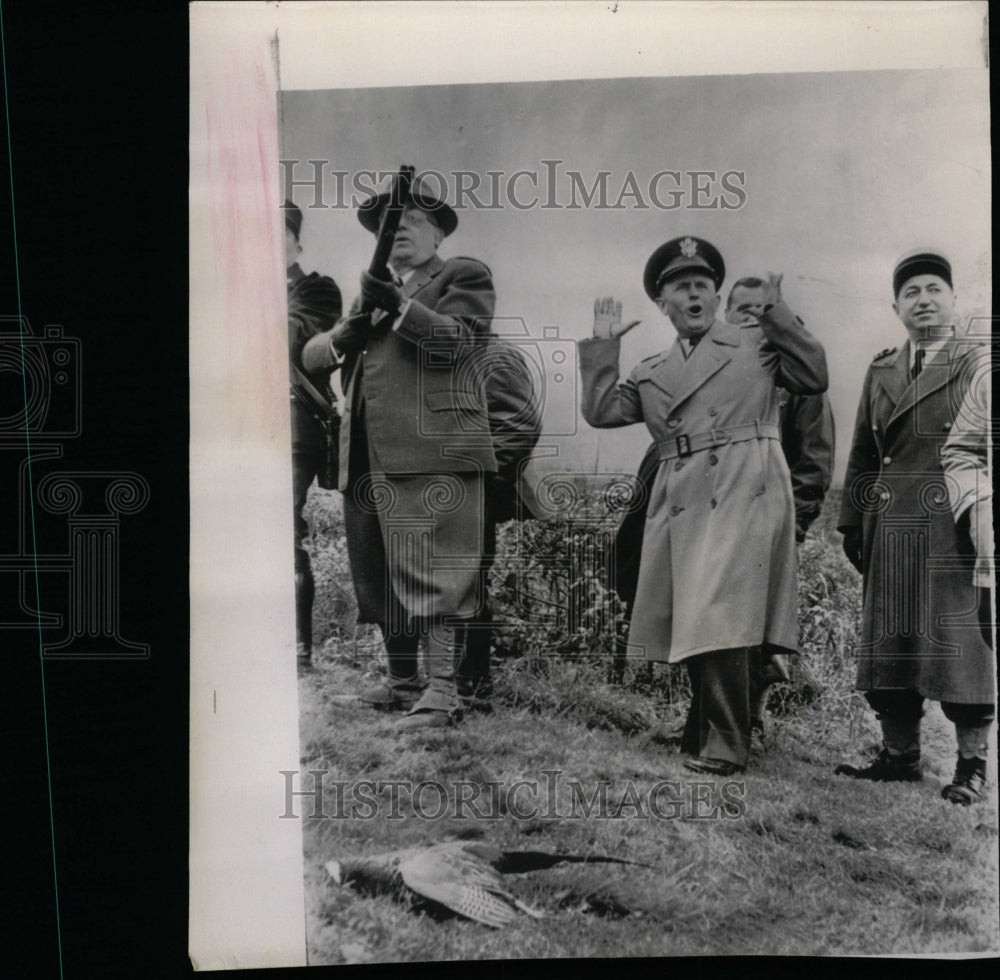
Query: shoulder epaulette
885,353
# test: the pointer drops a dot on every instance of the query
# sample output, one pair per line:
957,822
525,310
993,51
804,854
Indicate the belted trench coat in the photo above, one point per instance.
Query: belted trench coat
718,567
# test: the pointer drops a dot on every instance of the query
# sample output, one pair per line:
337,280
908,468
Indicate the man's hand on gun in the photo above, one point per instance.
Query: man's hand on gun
381,294
608,318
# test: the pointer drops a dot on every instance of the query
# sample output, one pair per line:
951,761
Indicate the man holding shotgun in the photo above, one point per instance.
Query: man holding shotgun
415,446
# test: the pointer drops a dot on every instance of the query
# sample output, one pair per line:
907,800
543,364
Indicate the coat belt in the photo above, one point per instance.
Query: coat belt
685,445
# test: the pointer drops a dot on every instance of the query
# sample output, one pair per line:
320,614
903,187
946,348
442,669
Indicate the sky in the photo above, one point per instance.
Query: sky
832,176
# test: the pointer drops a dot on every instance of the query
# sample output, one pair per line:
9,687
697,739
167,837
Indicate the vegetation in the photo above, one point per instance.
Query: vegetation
788,859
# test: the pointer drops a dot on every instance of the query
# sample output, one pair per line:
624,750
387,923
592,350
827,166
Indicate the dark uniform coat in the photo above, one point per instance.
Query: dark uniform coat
314,305
807,440
415,444
718,567
919,630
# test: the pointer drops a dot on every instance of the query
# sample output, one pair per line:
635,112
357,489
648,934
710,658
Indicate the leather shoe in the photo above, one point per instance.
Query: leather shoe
885,768
968,785
712,767
393,693
427,718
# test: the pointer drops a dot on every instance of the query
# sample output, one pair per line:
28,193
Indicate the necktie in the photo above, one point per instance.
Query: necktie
918,363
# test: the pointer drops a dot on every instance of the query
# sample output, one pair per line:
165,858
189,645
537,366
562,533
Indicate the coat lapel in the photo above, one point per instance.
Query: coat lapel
713,352
893,377
934,375
667,374
423,275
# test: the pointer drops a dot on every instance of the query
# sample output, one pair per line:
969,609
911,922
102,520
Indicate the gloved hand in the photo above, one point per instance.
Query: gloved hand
852,547
381,295
351,333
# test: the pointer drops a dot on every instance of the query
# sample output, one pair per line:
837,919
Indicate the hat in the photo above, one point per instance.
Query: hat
370,211
678,255
293,217
920,262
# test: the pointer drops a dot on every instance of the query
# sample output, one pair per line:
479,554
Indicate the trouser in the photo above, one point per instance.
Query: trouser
718,721
899,713
305,465
474,666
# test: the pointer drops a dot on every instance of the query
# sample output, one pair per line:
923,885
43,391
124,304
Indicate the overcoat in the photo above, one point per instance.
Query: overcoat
420,416
718,566
919,628
415,445
314,305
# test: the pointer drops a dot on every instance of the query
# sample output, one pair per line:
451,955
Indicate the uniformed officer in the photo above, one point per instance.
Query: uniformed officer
415,448
807,441
314,305
717,576
921,632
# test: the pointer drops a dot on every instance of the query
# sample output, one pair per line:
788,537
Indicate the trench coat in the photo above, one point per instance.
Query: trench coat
965,459
919,626
718,567
415,445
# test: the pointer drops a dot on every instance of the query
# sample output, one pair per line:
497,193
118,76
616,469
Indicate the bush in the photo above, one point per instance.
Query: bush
557,622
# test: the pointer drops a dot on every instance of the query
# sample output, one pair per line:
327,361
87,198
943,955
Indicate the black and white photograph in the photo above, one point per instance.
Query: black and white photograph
637,593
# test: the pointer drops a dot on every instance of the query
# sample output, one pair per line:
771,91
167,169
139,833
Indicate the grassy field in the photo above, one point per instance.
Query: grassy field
786,859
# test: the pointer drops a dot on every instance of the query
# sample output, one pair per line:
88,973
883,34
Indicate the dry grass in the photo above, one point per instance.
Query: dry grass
810,864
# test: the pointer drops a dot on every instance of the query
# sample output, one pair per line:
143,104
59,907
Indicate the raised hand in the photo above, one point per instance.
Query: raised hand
608,318
772,290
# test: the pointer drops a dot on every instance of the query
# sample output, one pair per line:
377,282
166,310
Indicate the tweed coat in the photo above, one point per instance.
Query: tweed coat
718,566
919,628
415,444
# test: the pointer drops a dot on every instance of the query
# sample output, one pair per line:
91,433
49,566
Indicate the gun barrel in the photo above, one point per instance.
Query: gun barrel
392,214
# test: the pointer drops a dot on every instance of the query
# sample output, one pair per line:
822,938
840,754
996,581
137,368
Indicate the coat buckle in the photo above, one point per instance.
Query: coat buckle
683,445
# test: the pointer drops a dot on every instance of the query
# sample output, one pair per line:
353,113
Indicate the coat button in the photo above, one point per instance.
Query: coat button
714,501
675,510
713,459
947,426
673,423
713,411
886,460
678,465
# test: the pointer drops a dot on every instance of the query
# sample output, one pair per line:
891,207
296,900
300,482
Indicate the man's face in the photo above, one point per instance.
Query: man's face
925,301
416,240
746,305
292,248
690,300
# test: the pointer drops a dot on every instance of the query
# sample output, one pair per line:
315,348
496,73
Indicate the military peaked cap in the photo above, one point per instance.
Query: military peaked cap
681,255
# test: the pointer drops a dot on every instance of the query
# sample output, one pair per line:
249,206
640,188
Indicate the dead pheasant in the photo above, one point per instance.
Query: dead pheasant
463,876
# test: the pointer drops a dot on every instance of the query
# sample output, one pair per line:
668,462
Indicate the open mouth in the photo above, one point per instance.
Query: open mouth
695,311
